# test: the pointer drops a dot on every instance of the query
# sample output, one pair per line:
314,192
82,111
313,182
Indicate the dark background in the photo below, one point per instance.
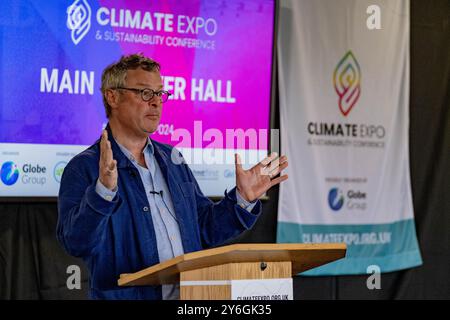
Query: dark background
33,265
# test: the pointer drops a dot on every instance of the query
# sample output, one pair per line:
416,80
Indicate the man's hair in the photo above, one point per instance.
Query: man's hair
115,75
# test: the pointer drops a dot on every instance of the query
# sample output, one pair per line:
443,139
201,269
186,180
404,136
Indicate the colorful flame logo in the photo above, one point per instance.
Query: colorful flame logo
347,82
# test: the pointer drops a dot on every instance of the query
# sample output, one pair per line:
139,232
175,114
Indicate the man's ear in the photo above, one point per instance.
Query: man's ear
112,97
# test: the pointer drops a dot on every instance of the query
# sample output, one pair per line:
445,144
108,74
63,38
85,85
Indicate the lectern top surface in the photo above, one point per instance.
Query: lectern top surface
303,257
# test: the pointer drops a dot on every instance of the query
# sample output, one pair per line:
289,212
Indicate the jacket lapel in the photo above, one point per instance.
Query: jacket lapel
122,160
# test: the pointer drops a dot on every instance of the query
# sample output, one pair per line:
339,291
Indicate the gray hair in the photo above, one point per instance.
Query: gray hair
115,74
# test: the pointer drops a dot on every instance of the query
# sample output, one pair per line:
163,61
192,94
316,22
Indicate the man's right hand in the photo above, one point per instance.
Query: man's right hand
107,165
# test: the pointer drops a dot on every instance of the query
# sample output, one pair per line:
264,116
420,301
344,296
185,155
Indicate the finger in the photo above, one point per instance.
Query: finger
104,136
111,168
278,169
106,157
113,165
237,161
108,154
274,165
266,171
267,160
103,140
278,180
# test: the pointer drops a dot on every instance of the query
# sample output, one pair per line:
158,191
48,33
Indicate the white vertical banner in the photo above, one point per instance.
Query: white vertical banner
344,108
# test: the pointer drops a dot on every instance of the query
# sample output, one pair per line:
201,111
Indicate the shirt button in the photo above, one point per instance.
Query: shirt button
145,209
172,238
108,198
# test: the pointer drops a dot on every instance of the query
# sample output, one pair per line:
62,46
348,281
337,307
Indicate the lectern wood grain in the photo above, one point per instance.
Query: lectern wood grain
230,271
238,271
205,292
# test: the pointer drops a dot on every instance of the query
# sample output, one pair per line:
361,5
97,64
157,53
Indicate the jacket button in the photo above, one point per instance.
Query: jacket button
145,209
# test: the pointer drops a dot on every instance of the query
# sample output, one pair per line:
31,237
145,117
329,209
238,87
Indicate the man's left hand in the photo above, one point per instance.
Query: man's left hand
253,183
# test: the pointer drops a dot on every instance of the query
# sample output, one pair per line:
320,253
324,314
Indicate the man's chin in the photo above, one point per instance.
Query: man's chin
149,124
149,129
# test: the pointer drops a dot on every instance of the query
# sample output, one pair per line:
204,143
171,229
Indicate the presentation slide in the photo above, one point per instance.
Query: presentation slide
216,60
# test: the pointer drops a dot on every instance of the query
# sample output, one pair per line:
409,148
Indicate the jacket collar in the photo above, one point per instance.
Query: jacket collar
122,159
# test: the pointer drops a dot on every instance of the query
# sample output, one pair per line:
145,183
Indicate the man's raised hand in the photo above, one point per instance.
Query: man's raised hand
254,182
107,165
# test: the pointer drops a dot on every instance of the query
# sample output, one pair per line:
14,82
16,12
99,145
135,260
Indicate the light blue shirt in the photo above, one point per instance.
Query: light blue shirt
161,209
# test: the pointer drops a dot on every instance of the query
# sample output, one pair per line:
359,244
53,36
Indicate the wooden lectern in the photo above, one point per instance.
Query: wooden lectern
206,274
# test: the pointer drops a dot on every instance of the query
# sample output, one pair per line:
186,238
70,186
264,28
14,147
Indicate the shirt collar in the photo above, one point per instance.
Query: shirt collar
149,148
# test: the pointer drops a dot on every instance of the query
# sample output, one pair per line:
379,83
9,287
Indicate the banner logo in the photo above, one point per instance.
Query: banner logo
9,173
79,19
335,199
58,170
347,82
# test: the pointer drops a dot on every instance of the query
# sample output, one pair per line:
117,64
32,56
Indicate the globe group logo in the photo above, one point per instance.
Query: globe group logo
79,20
9,173
335,199
347,82
58,170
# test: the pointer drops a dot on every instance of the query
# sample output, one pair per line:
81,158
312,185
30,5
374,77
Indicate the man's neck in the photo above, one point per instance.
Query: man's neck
132,142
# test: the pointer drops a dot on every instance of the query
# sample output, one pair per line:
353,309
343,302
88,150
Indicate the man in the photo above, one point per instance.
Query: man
124,205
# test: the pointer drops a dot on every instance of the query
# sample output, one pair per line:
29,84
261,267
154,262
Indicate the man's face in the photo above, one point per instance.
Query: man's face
141,117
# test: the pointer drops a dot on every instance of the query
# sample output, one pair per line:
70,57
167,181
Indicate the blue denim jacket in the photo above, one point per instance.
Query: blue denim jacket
115,237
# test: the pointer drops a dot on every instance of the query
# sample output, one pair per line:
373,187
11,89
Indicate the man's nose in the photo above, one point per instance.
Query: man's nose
155,102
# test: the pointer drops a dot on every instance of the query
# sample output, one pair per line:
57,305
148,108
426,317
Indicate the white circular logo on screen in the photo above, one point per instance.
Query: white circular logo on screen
58,170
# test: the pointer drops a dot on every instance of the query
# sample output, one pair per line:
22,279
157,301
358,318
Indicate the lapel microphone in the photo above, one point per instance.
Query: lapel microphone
162,198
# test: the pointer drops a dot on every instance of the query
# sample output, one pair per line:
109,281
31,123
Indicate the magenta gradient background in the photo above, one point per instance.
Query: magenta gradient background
242,55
